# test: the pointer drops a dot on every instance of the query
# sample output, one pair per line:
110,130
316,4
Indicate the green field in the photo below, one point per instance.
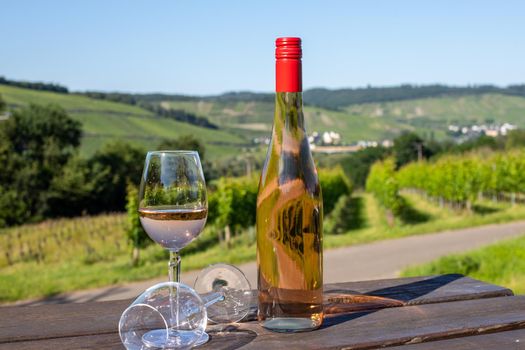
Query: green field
68,254
240,122
502,263
370,121
104,121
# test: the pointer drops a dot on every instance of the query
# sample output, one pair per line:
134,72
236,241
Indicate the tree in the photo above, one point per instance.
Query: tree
75,191
357,165
136,234
185,142
2,104
35,144
114,166
409,147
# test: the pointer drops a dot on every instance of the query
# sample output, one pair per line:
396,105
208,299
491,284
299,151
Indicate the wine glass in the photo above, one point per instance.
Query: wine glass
225,296
173,209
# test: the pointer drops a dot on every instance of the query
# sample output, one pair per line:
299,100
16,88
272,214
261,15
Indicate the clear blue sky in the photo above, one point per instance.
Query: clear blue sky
207,47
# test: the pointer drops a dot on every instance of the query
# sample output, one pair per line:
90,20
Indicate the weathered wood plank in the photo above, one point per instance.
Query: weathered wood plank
423,290
53,321
400,326
358,330
511,340
99,342
67,320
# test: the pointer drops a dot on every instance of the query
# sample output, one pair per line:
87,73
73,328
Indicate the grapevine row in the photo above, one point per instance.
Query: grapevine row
459,180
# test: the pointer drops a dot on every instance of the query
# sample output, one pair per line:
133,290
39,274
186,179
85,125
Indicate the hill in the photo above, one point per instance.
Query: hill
239,117
367,121
103,121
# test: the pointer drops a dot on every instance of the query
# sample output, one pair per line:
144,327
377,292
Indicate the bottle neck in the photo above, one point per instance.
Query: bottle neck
289,113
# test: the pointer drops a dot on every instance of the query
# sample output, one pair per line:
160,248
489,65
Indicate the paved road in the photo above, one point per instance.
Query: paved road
383,259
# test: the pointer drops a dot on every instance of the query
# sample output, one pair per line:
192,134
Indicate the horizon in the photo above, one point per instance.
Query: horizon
264,92
215,48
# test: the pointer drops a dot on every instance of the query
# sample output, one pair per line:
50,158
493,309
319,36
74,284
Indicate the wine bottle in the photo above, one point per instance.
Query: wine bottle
289,210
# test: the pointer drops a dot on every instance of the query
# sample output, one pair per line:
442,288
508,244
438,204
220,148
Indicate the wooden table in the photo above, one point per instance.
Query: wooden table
439,312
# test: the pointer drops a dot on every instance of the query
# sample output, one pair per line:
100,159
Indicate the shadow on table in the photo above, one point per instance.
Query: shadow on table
395,296
230,337
65,299
410,291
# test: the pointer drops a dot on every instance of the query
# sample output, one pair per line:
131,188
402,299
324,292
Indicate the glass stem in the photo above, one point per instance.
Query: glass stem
212,298
174,272
174,264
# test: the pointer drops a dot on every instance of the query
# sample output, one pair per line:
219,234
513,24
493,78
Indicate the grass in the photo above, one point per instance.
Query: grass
55,256
70,254
436,219
502,263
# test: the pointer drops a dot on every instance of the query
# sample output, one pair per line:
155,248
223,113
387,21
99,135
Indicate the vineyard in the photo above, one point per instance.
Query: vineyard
455,181
69,254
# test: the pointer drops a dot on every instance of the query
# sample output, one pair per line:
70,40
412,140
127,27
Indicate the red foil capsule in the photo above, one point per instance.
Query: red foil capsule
288,67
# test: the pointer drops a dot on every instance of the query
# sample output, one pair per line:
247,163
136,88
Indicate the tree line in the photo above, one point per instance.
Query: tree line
339,98
35,85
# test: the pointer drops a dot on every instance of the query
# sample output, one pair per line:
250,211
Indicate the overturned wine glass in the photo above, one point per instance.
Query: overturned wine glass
172,315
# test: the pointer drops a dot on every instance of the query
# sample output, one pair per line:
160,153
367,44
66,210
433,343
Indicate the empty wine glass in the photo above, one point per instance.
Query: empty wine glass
171,315
173,209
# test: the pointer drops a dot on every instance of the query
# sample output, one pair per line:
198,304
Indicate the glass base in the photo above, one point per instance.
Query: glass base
203,340
290,324
156,339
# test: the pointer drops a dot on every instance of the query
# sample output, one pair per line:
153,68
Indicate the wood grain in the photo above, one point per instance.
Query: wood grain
403,325
510,340
433,308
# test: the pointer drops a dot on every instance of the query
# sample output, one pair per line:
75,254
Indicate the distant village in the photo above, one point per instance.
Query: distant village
472,131
331,141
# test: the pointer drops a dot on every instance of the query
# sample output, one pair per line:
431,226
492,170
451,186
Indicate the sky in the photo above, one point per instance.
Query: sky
203,47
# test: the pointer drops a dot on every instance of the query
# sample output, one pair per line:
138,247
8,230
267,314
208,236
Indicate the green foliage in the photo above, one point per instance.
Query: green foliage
134,231
334,99
2,104
334,184
35,85
136,234
184,142
236,200
357,165
115,165
459,179
409,147
70,254
515,138
35,144
382,183
340,218
75,190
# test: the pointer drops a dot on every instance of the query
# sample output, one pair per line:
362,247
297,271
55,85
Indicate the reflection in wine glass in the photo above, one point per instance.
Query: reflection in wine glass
173,209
